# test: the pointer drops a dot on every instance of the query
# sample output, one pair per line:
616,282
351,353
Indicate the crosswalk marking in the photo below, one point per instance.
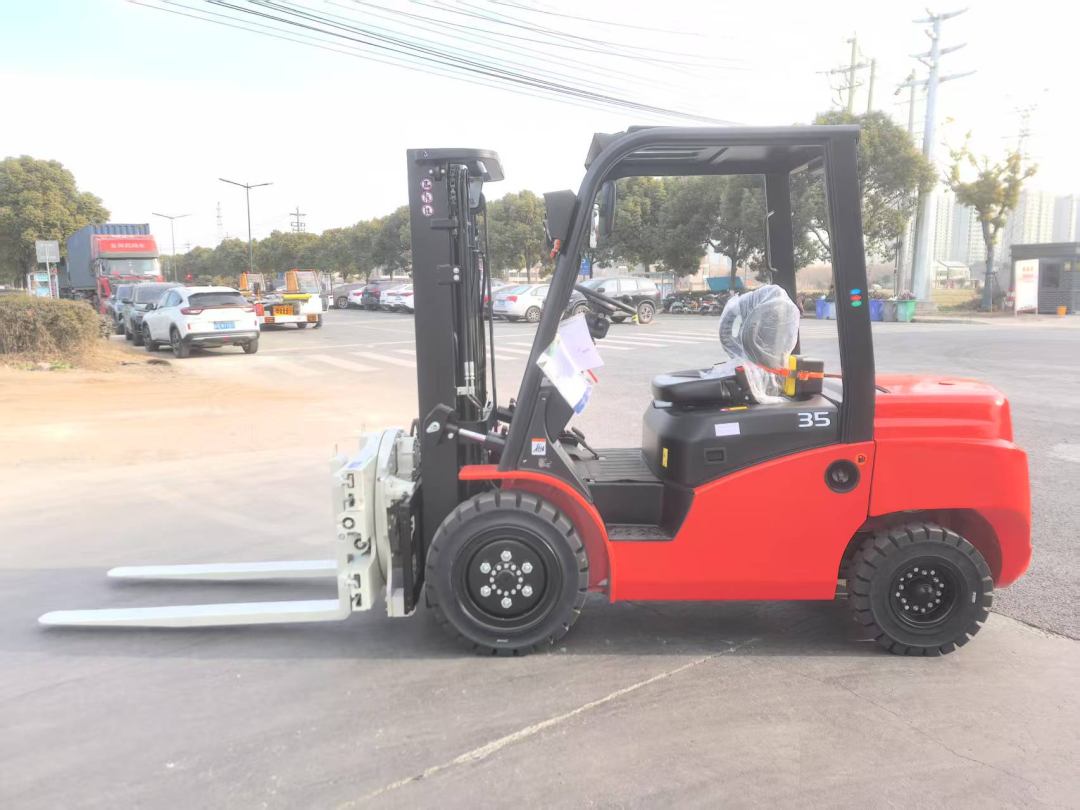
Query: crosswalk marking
290,368
382,358
650,344
338,362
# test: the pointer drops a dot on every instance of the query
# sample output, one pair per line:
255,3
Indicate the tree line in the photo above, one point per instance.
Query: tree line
666,223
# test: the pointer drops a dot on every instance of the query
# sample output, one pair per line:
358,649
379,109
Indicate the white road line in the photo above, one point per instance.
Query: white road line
648,344
292,368
348,365
410,352
365,344
513,351
382,358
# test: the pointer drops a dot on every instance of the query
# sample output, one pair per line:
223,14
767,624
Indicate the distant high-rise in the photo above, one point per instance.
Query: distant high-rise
1031,222
966,244
943,226
1067,218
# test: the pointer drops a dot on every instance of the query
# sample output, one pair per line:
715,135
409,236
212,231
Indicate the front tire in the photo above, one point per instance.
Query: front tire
147,341
342,302
135,337
646,311
506,573
532,315
580,309
920,589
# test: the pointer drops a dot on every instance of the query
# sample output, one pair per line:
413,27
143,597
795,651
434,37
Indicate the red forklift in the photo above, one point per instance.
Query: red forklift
767,477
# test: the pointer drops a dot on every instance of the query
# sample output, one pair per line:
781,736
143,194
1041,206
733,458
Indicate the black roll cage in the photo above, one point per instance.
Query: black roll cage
775,153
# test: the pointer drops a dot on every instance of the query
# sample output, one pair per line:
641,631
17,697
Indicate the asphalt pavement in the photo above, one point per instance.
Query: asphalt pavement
733,704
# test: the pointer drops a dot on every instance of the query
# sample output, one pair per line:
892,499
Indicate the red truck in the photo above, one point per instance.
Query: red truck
99,257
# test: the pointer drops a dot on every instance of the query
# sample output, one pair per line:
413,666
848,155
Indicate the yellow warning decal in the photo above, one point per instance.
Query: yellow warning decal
663,458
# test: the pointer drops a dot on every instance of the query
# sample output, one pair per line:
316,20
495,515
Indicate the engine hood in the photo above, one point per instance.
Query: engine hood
909,406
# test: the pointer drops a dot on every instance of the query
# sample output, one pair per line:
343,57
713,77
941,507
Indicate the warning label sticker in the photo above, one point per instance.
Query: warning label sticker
539,447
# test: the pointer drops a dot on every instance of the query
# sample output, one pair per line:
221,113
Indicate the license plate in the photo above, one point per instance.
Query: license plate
224,324
283,310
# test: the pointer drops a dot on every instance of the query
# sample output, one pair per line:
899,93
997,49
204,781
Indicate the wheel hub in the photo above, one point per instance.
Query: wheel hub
506,578
924,592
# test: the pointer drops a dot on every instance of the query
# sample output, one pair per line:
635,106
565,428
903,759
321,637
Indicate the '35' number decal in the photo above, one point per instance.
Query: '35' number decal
814,419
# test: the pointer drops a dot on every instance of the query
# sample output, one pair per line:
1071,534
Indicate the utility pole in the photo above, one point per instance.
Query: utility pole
849,71
870,88
247,187
172,233
220,224
924,248
904,249
298,225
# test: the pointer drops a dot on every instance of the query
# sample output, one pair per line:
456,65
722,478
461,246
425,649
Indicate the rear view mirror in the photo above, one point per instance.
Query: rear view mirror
151,305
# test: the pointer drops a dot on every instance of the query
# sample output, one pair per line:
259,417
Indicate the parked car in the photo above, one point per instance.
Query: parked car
640,293
371,297
521,301
342,294
496,287
398,299
114,305
136,304
207,317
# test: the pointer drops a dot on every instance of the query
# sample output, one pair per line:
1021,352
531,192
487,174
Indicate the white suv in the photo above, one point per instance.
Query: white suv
201,316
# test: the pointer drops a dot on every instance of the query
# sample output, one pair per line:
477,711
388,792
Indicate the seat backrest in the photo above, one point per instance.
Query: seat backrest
760,329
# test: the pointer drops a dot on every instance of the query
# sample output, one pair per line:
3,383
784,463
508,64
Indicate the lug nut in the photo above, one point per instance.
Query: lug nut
485,567
507,603
526,567
527,590
506,556
485,590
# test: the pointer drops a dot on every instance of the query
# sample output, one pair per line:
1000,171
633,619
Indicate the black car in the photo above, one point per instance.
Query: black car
640,293
134,306
372,291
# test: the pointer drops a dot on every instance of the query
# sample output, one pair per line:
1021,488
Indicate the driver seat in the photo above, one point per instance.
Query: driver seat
758,330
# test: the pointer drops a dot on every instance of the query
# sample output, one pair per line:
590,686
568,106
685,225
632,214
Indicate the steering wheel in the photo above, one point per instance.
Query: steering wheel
607,303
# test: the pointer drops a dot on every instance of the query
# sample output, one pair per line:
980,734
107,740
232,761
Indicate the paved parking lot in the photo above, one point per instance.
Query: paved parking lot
687,705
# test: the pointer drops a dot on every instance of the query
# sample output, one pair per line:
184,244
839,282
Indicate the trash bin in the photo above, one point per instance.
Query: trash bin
819,308
830,310
877,309
888,313
905,311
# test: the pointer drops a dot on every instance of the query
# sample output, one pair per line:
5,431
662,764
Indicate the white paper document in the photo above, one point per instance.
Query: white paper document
567,362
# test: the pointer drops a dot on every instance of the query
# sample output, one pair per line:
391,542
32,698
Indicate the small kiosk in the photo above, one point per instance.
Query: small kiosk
1046,277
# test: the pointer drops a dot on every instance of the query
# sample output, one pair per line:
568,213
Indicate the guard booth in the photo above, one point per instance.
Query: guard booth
1047,276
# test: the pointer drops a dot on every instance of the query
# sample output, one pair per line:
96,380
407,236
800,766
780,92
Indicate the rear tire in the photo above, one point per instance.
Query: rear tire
251,346
506,573
180,349
580,309
532,315
134,337
342,302
920,589
147,341
618,318
646,311
302,325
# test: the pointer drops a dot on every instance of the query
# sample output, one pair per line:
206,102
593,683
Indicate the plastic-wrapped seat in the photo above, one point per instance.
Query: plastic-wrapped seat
758,330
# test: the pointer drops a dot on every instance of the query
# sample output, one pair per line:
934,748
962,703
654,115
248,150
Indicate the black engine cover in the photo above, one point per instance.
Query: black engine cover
691,446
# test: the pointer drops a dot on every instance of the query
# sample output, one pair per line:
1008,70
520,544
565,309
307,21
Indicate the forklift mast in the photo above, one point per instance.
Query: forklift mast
447,216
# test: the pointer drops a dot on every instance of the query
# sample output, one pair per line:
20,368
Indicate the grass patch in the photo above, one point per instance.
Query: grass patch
955,300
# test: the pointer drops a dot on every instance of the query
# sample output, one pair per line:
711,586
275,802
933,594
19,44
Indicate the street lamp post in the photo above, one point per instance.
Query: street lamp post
172,234
247,187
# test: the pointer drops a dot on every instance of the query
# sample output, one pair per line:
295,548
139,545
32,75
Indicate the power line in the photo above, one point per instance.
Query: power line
419,54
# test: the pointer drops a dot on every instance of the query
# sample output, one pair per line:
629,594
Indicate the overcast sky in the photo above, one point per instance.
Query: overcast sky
148,108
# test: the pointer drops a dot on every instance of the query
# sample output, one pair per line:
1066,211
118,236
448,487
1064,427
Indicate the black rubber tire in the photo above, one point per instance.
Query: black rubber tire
618,318
580,309
251,346
135,337
537,524
119,329
302,325
512,318
318,323
532,315
148,343
646,311
342,302
881,560
180,349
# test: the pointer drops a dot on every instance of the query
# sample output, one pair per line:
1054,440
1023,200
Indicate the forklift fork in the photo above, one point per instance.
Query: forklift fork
377,480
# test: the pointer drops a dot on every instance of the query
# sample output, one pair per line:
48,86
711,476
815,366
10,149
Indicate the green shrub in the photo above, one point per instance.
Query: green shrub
46,328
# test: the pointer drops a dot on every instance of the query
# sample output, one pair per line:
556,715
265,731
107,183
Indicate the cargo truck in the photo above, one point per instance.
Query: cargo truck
99,257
